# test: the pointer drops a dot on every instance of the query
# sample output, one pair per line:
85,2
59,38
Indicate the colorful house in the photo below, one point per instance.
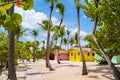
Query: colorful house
63,55
75,55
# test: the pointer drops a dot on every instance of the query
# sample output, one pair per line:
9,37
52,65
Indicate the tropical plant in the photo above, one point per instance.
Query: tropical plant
68,34
48,35
65,42
35,33
10,21
84,69
20,31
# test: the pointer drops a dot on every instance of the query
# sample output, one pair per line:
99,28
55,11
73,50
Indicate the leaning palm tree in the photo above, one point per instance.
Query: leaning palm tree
61,34
61,10
20,31
68,34
35,34
84,69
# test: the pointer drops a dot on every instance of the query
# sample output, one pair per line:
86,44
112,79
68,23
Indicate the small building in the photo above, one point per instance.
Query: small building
75,55
63,55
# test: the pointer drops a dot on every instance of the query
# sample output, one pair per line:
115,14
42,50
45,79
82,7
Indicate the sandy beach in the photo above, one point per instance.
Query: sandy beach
65,71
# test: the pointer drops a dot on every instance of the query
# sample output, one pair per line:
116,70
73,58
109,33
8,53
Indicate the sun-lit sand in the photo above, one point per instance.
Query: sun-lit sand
65,71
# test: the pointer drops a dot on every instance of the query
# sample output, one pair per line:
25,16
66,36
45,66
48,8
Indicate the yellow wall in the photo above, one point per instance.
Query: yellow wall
74,55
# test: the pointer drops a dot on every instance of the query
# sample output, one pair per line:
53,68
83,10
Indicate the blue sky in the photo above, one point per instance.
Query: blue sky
41,11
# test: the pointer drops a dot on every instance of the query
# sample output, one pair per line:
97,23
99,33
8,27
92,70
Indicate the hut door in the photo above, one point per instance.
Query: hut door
74,56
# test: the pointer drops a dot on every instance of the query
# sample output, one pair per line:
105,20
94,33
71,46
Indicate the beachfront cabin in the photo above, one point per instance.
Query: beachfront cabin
75,55
63,55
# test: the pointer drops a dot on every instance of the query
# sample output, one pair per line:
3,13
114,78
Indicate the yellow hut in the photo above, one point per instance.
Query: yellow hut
75,55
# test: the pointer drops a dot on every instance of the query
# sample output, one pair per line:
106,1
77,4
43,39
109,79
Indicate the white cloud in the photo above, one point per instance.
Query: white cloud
82,33
31,18
84,16
28,38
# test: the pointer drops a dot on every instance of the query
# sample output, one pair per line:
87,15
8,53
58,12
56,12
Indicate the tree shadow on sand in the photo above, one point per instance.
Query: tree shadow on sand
65,65
104,69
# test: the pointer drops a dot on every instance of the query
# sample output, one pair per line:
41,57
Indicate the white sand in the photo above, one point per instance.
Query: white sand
65,71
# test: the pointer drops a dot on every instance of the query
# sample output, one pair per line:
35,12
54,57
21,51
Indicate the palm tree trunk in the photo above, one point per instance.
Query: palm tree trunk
115,71
58,57
84,69
1,65
48,40
34,50
11,63
56,32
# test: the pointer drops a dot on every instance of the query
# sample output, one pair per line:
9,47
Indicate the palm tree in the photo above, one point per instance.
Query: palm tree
61,10
76,38
45,25
71,41
20,31
35,34
65,42
11,65
84,69
61,34
43,42
68,34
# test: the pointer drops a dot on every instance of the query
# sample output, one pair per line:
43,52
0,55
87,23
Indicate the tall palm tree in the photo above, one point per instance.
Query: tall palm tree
35,33
84,69
11,65
68,34
61,10
20,31
45,25
61,34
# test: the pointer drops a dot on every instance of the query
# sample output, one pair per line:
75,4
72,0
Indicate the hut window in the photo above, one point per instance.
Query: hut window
78,53
93,54
88,54
71,54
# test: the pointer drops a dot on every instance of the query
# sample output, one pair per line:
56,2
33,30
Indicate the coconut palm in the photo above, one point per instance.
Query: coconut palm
65,42
61,34
84,69
71,41
35,34
20,31
61,10
76,38
68,34
46,26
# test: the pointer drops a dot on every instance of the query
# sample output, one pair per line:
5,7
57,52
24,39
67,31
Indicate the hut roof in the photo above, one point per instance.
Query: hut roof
84,49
